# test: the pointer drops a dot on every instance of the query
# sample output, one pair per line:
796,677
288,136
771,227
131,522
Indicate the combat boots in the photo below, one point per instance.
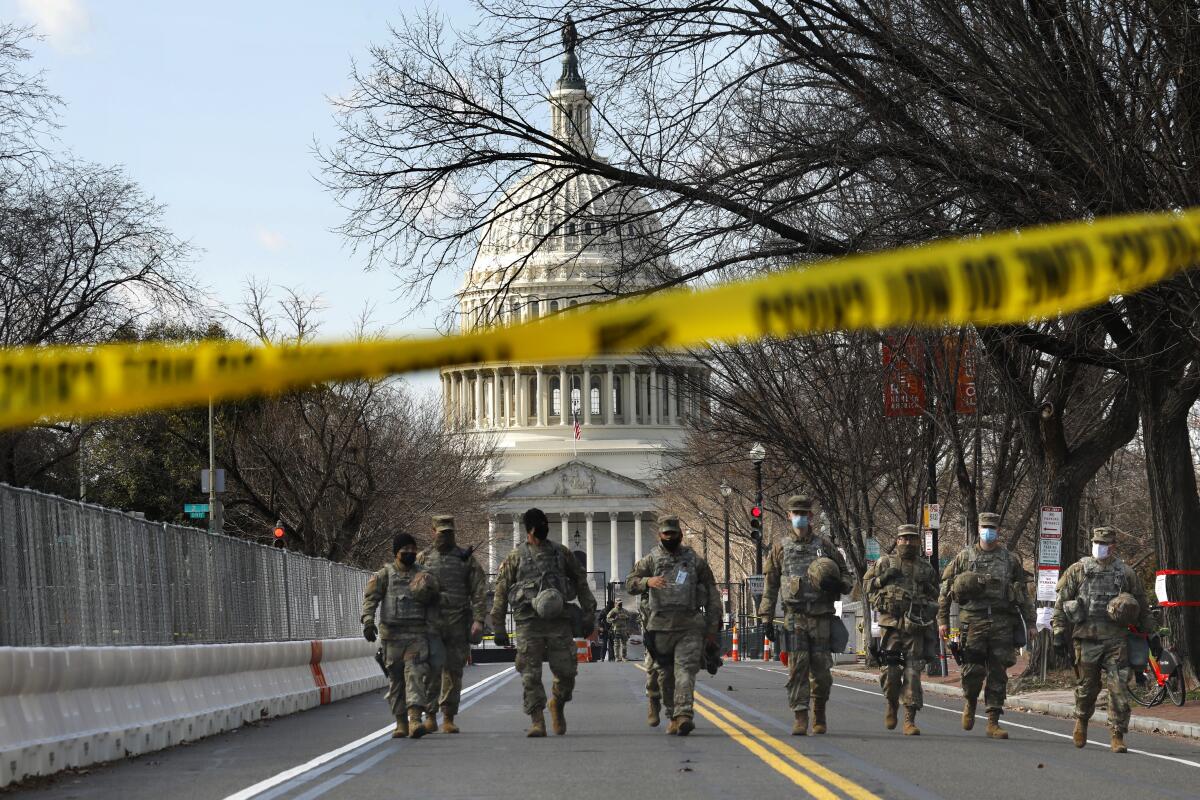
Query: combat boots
448,725
683,725
968,717
431,722
673,726
415,729
994,731
818,716
538,729
652,713
401,731
557,720
1079,735
1118,742
889,716
910,722
800,726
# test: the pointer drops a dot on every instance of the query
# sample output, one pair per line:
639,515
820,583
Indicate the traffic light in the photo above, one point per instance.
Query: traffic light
279,533
756,523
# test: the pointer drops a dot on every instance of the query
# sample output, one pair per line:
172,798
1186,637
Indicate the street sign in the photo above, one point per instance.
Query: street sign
1049,552
1047,581
933,516
204,481
197,514
928,543
756,583
872,549
195,508
1051,527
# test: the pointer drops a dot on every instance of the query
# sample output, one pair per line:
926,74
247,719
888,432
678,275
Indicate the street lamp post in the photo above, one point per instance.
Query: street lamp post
758,454
726,490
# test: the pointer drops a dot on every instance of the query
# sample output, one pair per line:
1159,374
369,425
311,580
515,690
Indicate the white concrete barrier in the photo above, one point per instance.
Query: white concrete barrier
64,707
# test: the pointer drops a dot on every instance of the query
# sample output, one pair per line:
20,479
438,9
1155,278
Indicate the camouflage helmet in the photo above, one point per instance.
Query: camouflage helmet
989,519
907,530
822,570
968,586
548,604
800,503
1104,535
669,525
443,522
1123,609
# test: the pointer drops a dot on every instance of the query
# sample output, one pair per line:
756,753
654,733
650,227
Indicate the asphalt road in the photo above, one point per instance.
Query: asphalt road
741,748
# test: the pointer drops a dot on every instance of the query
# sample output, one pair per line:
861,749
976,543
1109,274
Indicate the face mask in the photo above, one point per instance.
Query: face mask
671,543
800,521
906,550
988,535
408,559
541,533
1101,551
444,540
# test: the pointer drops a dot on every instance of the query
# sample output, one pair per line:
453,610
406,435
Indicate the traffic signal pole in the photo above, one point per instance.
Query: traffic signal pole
758,503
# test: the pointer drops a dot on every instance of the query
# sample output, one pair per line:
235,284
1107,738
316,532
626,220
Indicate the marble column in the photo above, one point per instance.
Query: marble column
591,542
672,409
566,524
606,396
518,399
631,396
564,397
517,531
492,545
478,398
585,395
654,395
613,565
541,396
495,397
637,536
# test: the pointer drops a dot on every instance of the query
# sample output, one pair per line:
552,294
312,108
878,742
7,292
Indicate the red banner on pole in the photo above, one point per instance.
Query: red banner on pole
903,377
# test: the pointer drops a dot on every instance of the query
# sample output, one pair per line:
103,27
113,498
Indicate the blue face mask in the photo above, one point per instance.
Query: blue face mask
800,521
988,535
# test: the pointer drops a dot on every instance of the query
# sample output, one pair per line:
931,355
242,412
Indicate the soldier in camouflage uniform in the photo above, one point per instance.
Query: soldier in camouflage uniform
1100,596
904,587
407,598
991,588
618,623
537,580
460,616
685,613
809,573
653,686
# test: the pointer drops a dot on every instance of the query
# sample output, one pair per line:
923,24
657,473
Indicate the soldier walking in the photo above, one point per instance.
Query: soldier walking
808,573
653,687
991,588
618,624
459,619
1099,597
685,613
407,598
538,580
904,587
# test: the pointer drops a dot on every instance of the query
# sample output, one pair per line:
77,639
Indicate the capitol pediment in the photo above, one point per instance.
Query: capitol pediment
575,479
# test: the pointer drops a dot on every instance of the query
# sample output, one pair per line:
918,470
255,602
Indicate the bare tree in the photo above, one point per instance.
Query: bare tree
27,108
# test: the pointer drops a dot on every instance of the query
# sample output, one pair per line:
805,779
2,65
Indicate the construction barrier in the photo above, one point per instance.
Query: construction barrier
734,654
67,707
583,651
766,649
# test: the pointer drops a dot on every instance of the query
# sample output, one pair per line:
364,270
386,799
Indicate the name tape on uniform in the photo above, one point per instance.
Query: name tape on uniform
995,279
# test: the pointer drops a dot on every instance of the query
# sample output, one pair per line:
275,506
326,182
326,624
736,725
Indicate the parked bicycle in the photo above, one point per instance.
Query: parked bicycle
1158,675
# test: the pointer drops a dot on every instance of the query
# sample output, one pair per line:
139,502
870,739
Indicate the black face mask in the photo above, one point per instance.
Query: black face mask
408,559
541,534
671,543
444,540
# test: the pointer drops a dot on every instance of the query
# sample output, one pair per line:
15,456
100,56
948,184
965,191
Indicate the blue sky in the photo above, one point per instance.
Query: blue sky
213,108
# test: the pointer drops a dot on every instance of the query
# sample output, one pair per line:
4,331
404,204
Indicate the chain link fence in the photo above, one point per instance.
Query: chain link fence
78,574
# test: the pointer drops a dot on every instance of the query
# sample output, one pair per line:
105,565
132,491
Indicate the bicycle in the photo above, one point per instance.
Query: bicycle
1159,678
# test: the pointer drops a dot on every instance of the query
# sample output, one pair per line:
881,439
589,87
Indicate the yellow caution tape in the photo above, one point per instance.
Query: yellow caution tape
1000,278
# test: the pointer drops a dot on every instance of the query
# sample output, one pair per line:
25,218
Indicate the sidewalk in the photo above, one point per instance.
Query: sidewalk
1163,719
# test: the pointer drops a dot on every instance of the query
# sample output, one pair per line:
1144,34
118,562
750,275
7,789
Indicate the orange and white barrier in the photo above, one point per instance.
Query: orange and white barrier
583,651
766,649
735,643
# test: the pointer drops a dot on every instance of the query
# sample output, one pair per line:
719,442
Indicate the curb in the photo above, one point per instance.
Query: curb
1061,710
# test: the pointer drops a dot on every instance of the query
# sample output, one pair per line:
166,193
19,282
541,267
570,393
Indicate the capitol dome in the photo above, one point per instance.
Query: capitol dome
584,440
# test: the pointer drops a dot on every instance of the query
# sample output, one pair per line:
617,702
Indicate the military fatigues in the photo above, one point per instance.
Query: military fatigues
525,572
905,590
1100,643
681,616
808,614
988,624
407,606
618,624
653,687
463,602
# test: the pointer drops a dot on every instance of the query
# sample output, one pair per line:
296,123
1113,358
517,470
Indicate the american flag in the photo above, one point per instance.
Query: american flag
575,417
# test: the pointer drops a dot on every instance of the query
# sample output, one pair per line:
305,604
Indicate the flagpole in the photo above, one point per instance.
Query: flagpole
574,428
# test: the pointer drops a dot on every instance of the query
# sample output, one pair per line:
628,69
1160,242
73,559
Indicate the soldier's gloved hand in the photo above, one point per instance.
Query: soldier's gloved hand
831,585
588,626
501,638
1059,642
769,630
890,574
370,633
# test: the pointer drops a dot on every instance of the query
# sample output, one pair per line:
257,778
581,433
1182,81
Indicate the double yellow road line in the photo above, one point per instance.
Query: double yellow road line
818,781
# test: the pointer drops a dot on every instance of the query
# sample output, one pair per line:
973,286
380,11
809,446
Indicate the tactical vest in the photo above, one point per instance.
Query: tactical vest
906,596
451,570
681,572
996,570
538,568
399,608
796,591
1100,584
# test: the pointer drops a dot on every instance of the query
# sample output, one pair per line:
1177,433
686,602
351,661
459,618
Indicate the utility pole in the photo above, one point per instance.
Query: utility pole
758,501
